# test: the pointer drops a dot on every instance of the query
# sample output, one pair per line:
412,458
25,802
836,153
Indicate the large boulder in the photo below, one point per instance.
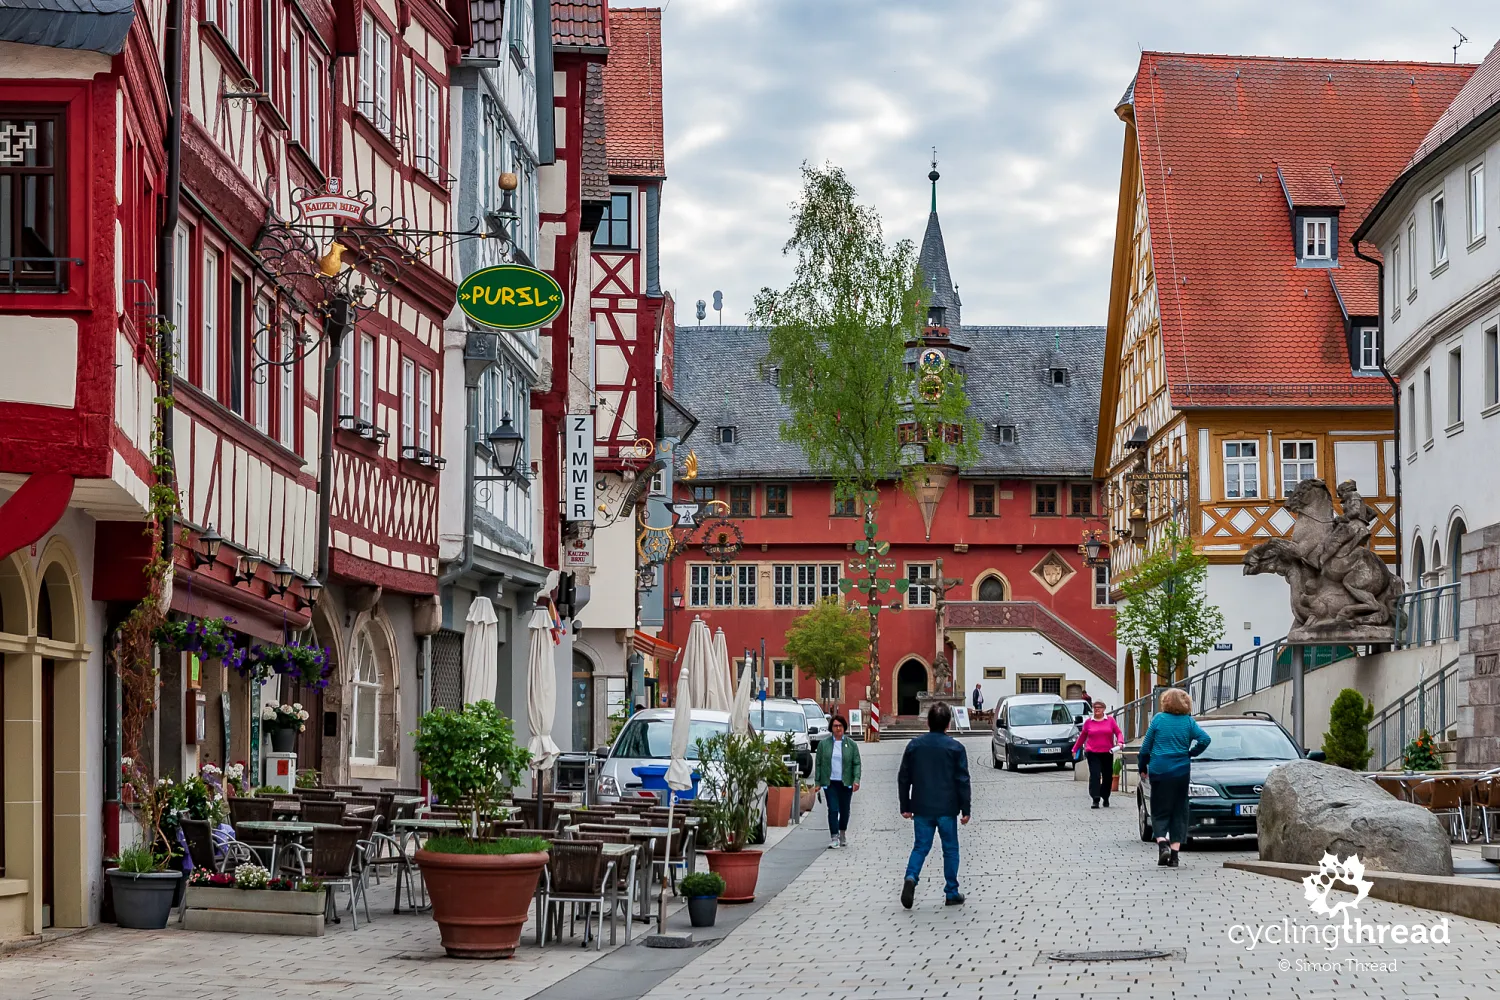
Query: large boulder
1308,809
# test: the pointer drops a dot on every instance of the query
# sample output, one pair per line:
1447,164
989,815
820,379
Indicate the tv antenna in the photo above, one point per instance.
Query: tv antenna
1461,39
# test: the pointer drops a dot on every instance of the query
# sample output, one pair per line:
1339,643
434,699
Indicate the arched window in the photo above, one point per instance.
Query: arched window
1455,549
992,588
1435,567
1418,564
366,678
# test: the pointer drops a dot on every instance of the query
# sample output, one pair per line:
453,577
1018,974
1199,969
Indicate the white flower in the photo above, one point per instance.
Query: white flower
298,706
303,715
286,708
268,713
126,763
301,729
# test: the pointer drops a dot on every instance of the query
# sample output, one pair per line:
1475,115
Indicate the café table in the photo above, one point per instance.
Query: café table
638,886
290,829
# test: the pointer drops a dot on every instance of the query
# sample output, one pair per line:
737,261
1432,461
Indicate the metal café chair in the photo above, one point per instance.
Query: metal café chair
1487,802
316,811
1393,785
242,808
577,875
1446,800
333,858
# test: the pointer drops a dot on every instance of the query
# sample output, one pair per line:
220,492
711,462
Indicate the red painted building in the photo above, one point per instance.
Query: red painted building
1025,613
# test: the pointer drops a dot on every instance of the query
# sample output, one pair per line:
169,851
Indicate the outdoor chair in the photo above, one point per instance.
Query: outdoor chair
333,859
315,811
316,793
256,810
577,875
199,836
1394,786
1421,791
1447,801
604,828
681,857
1487,802
342,788
388,851
547,835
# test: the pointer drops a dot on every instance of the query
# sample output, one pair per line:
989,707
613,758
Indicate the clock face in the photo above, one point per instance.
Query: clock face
932,359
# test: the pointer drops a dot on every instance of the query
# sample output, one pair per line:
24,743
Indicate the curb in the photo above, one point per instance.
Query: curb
1477,898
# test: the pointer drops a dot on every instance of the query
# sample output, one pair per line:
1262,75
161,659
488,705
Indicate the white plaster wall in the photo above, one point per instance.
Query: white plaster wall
612,585
1022,653
38,358
1252,605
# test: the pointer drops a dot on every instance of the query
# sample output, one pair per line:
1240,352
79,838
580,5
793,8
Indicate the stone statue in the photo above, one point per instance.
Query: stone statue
1341,590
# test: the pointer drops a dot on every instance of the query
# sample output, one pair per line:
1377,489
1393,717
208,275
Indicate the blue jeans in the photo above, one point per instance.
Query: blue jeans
946,828
839,796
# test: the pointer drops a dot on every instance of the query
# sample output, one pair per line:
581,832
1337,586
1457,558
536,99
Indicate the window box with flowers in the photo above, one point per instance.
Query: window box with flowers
284,722
210,638
250,901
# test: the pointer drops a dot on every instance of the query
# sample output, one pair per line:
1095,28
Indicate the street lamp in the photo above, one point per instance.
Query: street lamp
210,541
505,444
283,575
677,598
311,588
1091,548
248,566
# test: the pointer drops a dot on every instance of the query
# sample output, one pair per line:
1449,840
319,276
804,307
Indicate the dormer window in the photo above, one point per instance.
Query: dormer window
729,435
937,316
1316,241
1369,349
1058,376
1005,433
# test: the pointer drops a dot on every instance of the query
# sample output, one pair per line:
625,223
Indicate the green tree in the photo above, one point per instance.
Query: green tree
1165,613
828,642
1347,742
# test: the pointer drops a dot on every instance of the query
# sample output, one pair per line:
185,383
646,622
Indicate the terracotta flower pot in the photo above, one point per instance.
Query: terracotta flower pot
779,806
740,871
480,901
809,799
1114,783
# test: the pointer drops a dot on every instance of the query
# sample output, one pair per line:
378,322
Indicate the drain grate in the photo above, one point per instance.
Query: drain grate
1116,955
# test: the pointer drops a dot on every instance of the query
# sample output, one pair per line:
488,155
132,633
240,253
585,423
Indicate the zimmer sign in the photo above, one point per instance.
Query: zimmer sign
578,488
510,297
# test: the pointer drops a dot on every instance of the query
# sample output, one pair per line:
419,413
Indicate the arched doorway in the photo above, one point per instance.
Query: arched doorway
583,702
911,679
1455,549
992,588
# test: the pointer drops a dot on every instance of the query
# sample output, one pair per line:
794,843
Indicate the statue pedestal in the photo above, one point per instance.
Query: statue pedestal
926,699
1340,634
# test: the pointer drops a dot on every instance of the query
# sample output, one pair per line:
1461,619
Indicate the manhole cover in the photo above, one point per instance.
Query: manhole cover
1117,955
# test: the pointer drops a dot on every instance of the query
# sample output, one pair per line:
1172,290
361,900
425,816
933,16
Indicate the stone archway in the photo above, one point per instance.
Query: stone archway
911,679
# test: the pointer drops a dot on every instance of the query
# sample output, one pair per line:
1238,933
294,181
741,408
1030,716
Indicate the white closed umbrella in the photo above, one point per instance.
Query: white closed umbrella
694,665
739,712
541,692
720,693
481,671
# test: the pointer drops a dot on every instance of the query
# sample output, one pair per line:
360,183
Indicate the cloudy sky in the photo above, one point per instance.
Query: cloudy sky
1017,96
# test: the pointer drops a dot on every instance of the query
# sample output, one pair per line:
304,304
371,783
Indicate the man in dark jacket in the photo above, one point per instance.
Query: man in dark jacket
934,788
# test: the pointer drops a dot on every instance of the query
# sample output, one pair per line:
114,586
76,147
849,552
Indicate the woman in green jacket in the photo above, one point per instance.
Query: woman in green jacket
837,772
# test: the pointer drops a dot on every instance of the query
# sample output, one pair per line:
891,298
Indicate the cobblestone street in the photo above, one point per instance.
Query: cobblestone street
1042,872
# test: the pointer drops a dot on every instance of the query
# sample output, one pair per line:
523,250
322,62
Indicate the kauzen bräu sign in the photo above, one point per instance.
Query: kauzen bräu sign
510,297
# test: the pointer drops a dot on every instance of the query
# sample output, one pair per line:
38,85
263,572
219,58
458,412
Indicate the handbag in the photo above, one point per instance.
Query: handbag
1078,754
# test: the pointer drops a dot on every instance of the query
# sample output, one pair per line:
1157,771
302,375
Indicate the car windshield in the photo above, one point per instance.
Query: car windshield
1082,708
1248,742
1055,714
812,711
652,738
778,720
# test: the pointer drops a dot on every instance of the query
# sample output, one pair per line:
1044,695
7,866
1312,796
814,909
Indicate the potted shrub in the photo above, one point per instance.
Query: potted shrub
141,885
481,886
779,789
702,890
1114,783
284,722
735,768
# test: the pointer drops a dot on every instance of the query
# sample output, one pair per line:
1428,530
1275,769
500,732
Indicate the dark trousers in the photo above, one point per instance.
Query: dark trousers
1101,770
946,828
1169,807
839,797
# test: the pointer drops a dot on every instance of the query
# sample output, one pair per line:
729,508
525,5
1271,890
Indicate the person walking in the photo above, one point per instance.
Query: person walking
837,771
1098,740
934,788
1172,740
978,698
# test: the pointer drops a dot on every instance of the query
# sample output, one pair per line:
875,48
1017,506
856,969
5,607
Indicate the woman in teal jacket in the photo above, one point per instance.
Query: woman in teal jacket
837,771
1172,740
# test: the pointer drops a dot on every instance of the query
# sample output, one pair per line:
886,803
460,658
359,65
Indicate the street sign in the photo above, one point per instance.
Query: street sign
579,484
510,297
687,514
579,553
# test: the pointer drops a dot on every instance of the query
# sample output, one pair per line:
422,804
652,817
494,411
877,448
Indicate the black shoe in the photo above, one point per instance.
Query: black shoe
908,892
1172,860
957,899
1163,853
1095,805
1106,803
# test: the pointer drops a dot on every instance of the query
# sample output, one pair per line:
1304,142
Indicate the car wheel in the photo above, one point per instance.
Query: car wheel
1010,763
994,758
1142,817
758,836
1063,765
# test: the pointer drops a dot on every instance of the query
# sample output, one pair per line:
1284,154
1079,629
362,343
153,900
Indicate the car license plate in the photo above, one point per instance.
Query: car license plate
1050,750
1246,810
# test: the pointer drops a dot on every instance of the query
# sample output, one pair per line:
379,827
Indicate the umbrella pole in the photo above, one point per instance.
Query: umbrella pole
661,894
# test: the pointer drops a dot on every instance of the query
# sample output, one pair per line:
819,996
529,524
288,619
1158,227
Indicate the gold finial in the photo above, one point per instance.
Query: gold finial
509,181
331,263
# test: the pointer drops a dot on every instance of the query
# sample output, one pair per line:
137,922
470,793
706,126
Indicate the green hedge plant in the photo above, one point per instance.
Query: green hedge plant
701,884
734,768
1347,742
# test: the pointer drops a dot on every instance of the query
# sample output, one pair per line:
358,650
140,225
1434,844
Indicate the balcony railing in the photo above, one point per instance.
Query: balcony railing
1431,705
35,274
1428,616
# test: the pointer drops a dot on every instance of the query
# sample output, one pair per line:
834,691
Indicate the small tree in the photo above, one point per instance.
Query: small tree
829,642
1347,742
1165,611
471,760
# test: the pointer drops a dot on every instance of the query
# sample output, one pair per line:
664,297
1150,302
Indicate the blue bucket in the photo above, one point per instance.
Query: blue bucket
654,779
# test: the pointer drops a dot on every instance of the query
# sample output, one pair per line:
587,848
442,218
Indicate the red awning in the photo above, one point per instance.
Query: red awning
652,646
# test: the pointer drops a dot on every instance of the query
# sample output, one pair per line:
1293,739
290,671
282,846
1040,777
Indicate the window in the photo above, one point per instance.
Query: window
1005,433
1427,405
1476,202
1315,243
375,73
724,586
237,345
831,689
747,589
208,363
992,588
1059,376
230,26
424,409
182,275
1039,685
741,502
828,581
704,494
312,139
782,681
1101,586
984,499
1455,387
1491,366
1241,469
781,579
776,501
615,228
1081,500
346,377
1411,420
366,700
1369,349
845,507
1439,230
1411,260
260,384
521,28
807,585
1298,462
698,586
427,138
919,589
367,378
1046,498
728,435
1396,277
287,411
296,109
408,403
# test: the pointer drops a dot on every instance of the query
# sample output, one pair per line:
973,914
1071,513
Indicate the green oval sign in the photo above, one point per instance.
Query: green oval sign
510,297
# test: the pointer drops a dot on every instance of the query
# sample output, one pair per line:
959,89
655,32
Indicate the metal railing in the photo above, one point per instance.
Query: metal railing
1427,616
1431,705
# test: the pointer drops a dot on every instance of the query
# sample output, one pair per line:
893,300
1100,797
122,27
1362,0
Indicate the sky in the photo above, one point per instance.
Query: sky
1018,96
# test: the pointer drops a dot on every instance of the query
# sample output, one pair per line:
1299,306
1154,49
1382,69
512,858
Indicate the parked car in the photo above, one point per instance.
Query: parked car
1226,779
647,739
817,722
1081,708
1033,729
775,717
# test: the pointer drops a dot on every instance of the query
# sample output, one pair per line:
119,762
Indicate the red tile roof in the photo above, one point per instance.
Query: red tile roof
632,93
1480,93
579,24
1242,325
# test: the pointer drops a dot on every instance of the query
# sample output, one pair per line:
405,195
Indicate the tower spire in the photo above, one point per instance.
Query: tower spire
933,176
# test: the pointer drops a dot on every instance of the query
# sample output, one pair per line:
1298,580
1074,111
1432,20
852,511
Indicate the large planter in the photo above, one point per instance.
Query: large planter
702,910
284,740
480,901
1114,782
779,806
739,869
809,799
254,911
143,901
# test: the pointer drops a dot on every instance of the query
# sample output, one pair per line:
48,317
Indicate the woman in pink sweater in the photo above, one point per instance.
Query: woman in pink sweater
1099,738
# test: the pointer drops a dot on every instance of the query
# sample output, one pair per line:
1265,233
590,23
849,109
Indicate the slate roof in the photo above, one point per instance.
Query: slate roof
594,179
632,93
89,25
934,263
1008,382
579,24
1239,317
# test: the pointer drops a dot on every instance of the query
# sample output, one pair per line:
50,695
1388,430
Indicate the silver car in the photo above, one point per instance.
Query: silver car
775,718
818,722
1033,729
